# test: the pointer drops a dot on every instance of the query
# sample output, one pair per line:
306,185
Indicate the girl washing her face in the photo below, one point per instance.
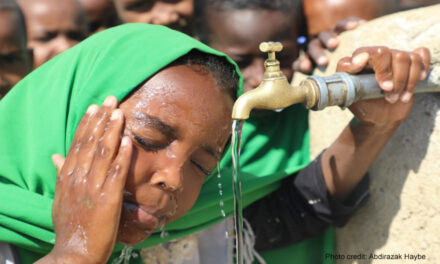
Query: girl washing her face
129,168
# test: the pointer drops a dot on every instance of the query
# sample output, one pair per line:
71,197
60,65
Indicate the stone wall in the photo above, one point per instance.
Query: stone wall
403,214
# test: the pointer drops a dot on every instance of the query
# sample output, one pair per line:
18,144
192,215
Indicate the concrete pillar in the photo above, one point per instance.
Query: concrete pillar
403,214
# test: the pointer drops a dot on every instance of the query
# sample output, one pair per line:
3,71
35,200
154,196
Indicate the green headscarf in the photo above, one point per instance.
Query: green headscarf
39,116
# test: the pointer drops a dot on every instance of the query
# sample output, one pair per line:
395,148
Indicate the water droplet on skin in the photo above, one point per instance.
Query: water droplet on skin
170,154
127,193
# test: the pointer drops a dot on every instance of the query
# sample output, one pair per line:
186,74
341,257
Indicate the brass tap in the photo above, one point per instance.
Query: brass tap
274,92
315,92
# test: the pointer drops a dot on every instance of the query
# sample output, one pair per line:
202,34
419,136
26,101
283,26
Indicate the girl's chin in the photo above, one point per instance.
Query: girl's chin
131,236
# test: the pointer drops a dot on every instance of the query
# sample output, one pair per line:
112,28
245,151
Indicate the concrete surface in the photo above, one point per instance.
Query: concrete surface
403,214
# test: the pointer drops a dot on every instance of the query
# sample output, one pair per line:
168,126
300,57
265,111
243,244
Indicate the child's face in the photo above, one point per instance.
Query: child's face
179,122
239,33
100,13
175,14
15,59
53,27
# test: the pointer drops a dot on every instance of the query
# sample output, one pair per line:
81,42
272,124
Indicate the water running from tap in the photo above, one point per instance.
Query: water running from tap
126,254
236,187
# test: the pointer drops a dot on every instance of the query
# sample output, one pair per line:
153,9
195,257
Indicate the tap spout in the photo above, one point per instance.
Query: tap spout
272,94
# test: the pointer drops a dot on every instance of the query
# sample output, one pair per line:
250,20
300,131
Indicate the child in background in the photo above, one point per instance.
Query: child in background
15,57
176,14
275,145
101,14
53,26
326,19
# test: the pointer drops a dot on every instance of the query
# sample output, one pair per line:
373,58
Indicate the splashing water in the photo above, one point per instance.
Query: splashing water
220,192
236,187
163,234
126,254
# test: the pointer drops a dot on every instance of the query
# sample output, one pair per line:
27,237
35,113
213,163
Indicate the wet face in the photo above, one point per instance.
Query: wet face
15,59
179,122
53,27
101,14
239,33
175,14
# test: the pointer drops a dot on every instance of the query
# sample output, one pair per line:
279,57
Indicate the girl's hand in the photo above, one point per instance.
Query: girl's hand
89,190
315,52
397,73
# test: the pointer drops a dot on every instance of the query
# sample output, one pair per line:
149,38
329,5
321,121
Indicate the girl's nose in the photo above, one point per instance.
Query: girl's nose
169,179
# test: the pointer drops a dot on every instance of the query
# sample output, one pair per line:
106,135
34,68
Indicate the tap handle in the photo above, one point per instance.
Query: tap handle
271,47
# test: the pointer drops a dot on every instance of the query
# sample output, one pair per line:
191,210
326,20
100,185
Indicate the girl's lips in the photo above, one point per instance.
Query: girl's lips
145,219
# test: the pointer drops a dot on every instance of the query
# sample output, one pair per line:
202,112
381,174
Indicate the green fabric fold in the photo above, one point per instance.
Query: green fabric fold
39,117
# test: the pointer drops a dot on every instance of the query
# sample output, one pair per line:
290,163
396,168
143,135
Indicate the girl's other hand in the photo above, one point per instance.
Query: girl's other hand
325,40
397,73
89,189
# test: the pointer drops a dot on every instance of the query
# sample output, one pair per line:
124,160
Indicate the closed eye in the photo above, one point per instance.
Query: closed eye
203,170
149,147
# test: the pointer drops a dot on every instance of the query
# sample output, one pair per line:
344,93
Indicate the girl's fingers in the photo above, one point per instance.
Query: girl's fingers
355,64
76,143
117,175
426,60
401,64
414,76
381,63
329,39
58,161
316,52
303,64
107,148
348,24
89,141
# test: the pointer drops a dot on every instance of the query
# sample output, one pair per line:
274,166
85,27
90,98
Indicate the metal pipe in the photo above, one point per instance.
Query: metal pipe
342,89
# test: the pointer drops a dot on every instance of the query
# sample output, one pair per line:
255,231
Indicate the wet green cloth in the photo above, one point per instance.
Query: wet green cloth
39,116
274,146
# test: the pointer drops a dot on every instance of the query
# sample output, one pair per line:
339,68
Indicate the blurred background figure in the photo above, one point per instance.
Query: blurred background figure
101,14
176,14
322,15
53,26
15,57
409,4
326,19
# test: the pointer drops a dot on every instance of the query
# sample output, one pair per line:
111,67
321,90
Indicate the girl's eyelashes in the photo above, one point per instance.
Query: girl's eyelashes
147,146
203,170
